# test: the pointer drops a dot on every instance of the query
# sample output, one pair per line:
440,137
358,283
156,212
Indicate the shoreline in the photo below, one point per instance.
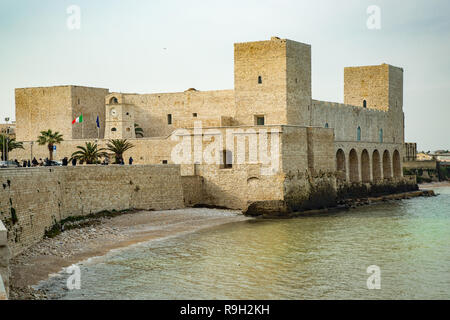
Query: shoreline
107,234
52,255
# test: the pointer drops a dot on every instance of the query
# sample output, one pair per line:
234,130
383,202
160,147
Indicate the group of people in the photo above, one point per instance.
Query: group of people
64,162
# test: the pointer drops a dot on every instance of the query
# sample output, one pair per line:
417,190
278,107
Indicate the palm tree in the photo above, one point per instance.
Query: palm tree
50,138
118,147
138,130
7,144
89,153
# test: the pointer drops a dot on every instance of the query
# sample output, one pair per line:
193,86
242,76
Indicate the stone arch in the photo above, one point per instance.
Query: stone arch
365,166
113,100
376,166
340,164
396,164
387,171
353,166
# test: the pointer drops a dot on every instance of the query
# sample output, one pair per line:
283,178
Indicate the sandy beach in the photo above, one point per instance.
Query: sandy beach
52,254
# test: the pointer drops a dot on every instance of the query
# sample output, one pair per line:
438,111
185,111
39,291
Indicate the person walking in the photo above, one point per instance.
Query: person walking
74,162
130,161
34,162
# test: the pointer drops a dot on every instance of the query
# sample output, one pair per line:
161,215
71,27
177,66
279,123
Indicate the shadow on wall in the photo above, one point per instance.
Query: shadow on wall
4,263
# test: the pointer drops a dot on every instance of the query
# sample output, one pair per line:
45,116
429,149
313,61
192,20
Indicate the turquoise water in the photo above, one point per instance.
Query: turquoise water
314,257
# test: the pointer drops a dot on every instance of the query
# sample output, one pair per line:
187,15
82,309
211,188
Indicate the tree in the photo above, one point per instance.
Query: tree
118,147
50,138
89,153
138,130
7,144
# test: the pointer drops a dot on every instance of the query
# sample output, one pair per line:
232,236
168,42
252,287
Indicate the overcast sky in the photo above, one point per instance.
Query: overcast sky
163,46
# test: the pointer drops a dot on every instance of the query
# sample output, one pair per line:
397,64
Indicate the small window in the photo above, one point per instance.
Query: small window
259,79
326,125
227,160
78,100
169,119
113,129
164,162
358,134
194,115
113,100
260,120
381,135
365,104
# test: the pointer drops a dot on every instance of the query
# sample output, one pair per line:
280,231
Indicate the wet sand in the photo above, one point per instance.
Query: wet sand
52,255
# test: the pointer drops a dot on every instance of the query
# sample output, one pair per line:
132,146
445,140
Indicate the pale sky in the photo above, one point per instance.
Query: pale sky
163,46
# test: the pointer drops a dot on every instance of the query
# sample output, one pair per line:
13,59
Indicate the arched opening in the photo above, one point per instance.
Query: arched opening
397,164
365,104
326,125
365,166
376,166
340,164
353,166
358,134
113,100
387,171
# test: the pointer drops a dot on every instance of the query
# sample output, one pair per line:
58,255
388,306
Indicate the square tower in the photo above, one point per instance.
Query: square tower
272,82
374,87
119,122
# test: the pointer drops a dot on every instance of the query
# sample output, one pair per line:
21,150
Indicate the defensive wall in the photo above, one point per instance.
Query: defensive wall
32,200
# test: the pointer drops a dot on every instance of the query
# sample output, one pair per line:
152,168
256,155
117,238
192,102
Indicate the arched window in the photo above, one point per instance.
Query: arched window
113,100
259,79
365,104
326,125
381,135
358,134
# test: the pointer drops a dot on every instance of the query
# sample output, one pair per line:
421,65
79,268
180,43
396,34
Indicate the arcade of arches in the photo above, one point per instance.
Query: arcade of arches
368,166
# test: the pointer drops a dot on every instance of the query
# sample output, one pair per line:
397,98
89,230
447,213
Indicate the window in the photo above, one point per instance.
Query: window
169,119
381,135
227,160
113,100
78,101
259,120
365,104
358,134
326,125
164,162
194,114
259,79
113,129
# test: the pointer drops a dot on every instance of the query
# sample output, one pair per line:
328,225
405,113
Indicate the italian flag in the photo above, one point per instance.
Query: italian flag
78,119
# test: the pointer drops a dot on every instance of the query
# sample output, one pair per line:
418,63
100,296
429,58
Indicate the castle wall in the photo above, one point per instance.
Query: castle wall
4,263
151,110
32,200
43,108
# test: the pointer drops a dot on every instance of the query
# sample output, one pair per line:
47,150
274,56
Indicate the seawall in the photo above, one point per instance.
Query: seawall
32,200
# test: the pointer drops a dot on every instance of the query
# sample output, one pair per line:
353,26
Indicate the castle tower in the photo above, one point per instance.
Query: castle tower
119,122
272,82
374,87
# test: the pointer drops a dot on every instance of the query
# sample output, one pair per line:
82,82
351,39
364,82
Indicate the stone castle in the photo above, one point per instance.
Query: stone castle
322,150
